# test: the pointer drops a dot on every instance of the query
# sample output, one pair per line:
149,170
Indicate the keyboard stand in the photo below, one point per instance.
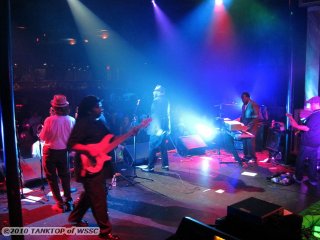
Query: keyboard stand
229,144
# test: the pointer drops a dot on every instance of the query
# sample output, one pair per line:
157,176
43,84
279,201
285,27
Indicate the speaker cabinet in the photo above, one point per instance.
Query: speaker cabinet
191,145
31,169
191,229
254,210
253,219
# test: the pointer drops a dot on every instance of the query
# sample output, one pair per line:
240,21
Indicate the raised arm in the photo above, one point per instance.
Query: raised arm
295,125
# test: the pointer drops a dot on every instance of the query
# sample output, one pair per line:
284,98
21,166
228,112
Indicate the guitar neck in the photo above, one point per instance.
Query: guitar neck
120,139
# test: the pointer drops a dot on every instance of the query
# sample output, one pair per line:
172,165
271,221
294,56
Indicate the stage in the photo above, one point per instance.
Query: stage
197,186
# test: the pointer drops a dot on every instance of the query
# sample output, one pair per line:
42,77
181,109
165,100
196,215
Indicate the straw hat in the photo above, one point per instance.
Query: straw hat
59,101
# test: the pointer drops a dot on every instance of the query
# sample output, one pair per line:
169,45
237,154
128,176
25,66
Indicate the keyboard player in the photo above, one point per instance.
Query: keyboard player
235,131
250,119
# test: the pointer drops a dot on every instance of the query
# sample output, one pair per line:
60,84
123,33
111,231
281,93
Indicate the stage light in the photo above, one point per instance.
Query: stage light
218,2
72,41
153,2
250,174
207,132
219,191
205,164
192,123
104,34
316,230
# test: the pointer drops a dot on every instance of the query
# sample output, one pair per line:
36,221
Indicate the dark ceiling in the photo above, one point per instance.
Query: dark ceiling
262,43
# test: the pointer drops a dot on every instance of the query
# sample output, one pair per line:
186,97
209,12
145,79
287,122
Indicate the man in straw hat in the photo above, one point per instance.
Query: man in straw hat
310,143
55,133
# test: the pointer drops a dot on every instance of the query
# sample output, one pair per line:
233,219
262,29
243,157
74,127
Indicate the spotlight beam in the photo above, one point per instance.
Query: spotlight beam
104,45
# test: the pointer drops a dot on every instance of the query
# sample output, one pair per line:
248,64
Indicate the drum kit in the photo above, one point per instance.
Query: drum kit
223,111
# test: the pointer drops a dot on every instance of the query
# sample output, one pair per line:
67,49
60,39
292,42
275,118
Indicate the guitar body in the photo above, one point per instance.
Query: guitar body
97,153
93,165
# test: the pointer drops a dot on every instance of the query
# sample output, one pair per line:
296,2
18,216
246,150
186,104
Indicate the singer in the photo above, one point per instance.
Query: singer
55,133
159,128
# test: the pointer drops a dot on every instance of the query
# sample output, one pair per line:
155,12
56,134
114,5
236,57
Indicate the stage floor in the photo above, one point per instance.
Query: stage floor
196,186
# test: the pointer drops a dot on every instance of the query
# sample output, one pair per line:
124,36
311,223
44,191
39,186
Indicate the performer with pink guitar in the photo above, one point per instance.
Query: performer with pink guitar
92,140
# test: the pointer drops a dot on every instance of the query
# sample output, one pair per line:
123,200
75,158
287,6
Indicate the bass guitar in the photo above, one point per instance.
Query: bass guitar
94,163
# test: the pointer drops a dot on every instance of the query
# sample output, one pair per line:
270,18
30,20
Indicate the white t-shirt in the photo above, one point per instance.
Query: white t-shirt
56,131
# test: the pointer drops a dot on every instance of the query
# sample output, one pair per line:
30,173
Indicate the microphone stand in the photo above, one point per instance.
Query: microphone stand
134,159
41,171
22,196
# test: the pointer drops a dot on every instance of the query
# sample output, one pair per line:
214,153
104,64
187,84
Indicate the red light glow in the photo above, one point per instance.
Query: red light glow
72,41
104,35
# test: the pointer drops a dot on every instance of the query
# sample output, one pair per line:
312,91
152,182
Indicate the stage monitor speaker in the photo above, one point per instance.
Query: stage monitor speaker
191,145
191,229
31,169
254,210
142,150
254,218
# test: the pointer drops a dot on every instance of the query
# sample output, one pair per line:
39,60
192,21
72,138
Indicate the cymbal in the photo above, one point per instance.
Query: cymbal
230,104
226,104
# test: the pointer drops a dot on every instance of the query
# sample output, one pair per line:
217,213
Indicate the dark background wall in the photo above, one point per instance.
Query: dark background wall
250,50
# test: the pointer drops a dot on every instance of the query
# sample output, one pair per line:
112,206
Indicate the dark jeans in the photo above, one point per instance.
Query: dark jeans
309,154
154,143
229,144
56,161
94,197
249,144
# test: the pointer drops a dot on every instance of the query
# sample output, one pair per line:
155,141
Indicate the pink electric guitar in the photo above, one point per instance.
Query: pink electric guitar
93,164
